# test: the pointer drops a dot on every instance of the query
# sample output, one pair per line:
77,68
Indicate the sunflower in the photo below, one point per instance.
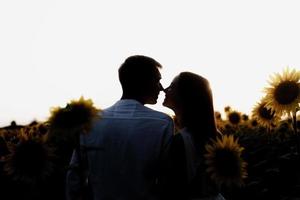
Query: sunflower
224,163
78,114
234,117
227,109
37,131
283,96
219,121
254,123
245,117
218,115
265,116
3,149
30,161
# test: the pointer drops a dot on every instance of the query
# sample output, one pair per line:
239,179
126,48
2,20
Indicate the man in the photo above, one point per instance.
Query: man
127,147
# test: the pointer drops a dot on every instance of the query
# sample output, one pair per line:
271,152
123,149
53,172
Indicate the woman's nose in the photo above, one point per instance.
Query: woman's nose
166,89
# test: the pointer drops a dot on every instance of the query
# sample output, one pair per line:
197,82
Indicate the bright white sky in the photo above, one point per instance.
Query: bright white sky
52,51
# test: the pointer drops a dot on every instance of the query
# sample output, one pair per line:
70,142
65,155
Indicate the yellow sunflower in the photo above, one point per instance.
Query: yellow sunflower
36,131
4,151
265,116
283,96
224,163
234,117
78,114
30,161
254,123
218,115
227,109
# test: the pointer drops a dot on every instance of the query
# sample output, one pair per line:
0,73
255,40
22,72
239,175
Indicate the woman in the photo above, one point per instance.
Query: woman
190,97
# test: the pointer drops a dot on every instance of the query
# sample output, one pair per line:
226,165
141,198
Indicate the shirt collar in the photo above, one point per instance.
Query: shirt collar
127,102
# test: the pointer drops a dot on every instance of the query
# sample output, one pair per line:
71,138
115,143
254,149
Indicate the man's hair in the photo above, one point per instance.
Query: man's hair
136,72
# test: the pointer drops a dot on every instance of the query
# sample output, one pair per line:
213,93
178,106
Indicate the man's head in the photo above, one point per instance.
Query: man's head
140,79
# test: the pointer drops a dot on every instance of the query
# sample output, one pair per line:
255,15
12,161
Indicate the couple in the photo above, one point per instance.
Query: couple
132,152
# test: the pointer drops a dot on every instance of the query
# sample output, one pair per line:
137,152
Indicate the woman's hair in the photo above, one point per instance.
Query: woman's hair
195,98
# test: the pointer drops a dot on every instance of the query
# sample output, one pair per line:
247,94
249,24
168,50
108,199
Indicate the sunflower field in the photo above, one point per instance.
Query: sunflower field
261,148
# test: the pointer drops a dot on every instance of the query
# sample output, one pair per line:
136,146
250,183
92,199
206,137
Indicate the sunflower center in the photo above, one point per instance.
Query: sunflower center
266,113
254,123
227,163
234,118
286,92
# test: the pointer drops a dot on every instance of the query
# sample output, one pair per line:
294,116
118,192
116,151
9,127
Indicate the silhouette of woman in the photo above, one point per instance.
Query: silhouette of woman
190,97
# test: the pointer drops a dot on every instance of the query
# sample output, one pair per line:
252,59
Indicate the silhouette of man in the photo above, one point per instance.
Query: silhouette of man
128,145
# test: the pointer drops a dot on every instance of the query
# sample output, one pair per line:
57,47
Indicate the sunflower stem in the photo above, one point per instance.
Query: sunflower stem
294,123
269,135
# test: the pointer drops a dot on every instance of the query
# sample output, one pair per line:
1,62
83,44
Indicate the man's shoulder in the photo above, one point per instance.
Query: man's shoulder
127,108
156,114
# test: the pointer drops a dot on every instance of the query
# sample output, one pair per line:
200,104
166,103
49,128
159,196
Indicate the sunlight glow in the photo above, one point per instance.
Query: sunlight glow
53,51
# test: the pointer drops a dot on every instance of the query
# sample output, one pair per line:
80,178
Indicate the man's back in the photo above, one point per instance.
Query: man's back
126,147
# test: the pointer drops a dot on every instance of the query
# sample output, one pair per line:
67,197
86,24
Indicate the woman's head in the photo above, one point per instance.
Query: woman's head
190,97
